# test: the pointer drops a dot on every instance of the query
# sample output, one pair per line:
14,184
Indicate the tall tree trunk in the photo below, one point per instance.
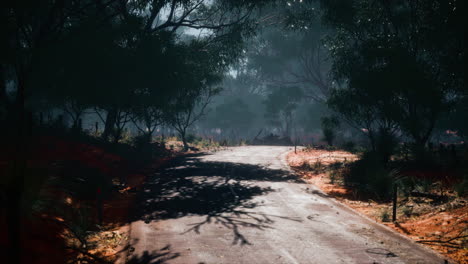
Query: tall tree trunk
16,182
117,135
111,118
4,102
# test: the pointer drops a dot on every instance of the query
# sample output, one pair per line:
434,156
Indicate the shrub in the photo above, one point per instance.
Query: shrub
385,145
407,210
385,215
191,138
317,167
142,144
333,176
305,165
370,176
335,171
329,127
141,140
349,146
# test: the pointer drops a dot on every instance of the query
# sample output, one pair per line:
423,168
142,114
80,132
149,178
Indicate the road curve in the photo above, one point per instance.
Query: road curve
244,205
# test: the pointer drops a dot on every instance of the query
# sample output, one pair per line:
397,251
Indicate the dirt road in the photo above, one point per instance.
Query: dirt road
244,205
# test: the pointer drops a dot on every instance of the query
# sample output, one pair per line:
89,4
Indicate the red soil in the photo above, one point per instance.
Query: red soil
44,237
440,225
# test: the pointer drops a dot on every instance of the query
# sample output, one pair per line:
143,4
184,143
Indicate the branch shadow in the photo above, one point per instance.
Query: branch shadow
236,219
221,192
160,256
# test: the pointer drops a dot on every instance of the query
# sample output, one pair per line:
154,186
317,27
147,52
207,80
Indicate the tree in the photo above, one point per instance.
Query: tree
188,109
281,104
232,116
391,73
329,126
293,54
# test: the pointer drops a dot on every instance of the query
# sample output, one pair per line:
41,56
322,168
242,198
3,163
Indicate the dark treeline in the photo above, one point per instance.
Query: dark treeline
125,60
147,62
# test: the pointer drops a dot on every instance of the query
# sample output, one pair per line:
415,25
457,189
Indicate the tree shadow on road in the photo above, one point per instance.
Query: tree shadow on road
160,256
236,219
222,192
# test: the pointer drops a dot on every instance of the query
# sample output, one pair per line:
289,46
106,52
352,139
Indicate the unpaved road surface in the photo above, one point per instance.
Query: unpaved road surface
244,205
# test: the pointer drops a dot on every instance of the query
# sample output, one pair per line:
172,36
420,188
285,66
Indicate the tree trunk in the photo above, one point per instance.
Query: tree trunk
111,118
16,182
117,133
7,106
3,93
184,140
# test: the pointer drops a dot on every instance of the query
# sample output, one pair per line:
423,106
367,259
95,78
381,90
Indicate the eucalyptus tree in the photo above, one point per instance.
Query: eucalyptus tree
196,83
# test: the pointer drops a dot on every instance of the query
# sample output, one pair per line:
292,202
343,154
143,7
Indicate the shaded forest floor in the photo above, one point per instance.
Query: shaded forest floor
78,195
441,225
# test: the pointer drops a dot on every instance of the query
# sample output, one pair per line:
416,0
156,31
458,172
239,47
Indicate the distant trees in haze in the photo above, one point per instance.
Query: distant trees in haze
395,67
281,104
329,128
233,116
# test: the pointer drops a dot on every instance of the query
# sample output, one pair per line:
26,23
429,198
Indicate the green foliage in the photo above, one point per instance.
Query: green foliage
385,215
389,82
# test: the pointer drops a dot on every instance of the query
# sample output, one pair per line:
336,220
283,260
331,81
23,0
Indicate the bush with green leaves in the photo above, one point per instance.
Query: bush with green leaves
385,215
192,138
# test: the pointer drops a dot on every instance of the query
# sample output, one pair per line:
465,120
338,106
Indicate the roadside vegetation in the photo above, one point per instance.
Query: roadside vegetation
431,196
80,194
